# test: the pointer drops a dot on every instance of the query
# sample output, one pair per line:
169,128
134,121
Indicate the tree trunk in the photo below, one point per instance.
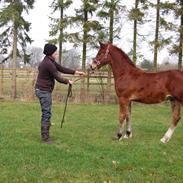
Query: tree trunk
181,41
14,88
135,37
156,41
1,80
61,31
111,23
109,78
82,91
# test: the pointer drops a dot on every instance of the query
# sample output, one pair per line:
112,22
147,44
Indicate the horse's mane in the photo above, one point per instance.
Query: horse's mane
125,56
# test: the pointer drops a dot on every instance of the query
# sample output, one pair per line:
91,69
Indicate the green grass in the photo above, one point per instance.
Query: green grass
83,151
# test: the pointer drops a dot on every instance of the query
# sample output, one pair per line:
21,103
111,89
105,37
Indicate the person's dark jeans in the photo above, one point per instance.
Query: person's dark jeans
45,99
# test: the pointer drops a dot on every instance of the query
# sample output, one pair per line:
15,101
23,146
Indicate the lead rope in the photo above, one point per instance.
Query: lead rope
69,94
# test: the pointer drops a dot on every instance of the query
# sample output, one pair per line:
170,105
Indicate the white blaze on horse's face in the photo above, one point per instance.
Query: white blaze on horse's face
102,57
93,65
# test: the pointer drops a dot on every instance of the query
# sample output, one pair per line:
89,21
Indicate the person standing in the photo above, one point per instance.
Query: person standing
49,71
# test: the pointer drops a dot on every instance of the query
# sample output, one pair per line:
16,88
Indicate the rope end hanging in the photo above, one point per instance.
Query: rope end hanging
61,123
69,94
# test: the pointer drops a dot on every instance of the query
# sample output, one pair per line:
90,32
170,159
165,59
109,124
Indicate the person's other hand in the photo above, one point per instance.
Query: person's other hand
81,73
71,82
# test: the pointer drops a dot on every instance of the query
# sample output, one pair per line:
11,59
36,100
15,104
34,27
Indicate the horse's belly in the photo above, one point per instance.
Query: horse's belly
148,101
149,98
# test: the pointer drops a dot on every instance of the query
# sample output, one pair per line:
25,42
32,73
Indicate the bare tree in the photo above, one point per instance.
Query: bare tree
36,56
71,58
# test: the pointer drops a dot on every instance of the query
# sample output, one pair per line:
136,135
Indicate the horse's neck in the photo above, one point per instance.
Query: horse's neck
121,65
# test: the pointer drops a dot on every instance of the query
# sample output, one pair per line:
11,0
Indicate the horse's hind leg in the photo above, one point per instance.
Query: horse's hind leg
128,123
175,119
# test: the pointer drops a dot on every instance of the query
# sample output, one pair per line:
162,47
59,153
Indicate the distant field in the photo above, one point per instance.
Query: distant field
83,151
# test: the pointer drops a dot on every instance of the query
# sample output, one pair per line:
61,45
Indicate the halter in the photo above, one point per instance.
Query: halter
105,55
107,52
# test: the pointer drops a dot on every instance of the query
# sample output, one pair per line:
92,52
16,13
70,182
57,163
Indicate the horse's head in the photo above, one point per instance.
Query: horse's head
102,58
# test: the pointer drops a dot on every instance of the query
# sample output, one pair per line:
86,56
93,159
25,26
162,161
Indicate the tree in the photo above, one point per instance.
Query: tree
156,42
14,26
3,49
70,59
110,11
161,39
177,47
147,65
85,33
59,24
36,56
180,14
86,28
136,15
175,40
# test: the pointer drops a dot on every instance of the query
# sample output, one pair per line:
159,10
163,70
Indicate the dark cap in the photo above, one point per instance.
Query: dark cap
49,49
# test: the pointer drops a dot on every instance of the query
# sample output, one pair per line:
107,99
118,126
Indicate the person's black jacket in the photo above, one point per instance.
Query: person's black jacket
49,70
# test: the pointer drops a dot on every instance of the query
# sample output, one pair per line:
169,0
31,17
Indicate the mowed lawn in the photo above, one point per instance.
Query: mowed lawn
83,151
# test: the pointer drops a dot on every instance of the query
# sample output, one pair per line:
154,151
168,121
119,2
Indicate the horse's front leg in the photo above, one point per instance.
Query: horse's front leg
123,113
128,122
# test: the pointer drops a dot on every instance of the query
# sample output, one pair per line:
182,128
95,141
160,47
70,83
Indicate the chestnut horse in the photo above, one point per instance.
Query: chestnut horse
134,84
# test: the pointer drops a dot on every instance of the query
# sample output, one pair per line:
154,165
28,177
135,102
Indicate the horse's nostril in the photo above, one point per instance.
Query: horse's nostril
90,67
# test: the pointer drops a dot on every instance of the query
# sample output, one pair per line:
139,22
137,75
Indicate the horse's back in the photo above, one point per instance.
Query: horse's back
154,87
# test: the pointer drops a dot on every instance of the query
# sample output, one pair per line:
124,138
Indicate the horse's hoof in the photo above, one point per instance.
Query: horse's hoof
117,137
164,140
128,135
120,138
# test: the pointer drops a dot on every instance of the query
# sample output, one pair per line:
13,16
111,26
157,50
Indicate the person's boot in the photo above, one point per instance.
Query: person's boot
45,127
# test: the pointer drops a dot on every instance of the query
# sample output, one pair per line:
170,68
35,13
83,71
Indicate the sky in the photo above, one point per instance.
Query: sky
40,27
40,21
39,18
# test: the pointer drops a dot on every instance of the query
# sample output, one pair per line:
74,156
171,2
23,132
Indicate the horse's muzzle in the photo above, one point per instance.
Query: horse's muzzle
91,68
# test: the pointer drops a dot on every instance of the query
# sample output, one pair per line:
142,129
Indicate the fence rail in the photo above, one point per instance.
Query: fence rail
93,88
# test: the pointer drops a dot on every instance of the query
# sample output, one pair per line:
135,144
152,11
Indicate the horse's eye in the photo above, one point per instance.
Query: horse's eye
101,54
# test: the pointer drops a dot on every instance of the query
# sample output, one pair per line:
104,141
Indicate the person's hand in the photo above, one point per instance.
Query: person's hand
71,82
81,73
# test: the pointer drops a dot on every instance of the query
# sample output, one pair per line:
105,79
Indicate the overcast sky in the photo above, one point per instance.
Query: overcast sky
40,26
40,21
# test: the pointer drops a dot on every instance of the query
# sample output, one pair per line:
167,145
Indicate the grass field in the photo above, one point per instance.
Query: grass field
83,151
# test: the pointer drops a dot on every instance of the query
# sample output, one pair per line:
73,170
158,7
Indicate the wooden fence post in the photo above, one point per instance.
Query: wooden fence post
1,80
88,82
82,91
33,83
